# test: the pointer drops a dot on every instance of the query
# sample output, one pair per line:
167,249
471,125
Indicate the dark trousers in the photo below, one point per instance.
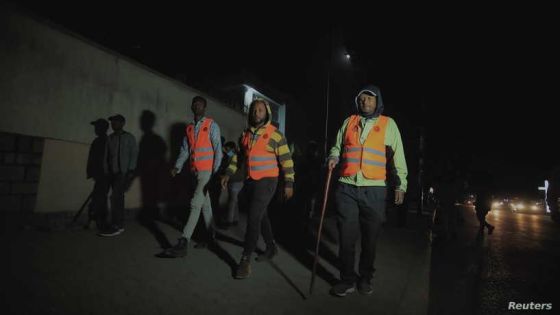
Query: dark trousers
118,183
256,196
481,216
359,210
98,204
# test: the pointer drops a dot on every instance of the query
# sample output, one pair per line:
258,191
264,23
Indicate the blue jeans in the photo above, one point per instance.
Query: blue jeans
233,203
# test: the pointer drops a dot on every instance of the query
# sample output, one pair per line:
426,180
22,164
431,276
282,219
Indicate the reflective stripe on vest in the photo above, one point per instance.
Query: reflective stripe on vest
260,162
368,157
201,155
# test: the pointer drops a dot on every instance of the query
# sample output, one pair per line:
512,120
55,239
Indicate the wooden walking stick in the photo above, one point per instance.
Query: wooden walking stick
82,208
325,197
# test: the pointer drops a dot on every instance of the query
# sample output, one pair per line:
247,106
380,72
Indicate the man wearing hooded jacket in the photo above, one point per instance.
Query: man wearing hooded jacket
365,145
262,148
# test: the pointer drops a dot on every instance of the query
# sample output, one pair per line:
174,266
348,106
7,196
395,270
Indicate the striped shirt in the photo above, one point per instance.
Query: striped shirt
277,145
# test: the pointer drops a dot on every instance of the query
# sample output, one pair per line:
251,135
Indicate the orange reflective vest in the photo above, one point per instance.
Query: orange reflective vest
260,162
368,157
201,150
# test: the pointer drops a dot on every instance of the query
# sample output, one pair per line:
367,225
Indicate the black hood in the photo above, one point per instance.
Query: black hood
375,91
268,111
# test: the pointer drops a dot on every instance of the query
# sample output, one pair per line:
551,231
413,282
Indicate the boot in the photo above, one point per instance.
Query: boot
244,268
180,249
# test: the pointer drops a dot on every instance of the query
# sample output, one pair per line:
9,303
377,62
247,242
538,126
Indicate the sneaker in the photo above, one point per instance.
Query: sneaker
342,289
490,229
179,250
365,287
244,268
112,231
268,254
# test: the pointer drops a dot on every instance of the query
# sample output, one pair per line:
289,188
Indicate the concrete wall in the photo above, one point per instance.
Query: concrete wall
63,162
53,83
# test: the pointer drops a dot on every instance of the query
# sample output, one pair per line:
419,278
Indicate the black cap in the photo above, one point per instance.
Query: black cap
100,122
117,117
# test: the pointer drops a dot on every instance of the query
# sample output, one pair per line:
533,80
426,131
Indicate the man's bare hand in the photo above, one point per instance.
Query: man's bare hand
331,164
174,172
288,193
224,180
399,197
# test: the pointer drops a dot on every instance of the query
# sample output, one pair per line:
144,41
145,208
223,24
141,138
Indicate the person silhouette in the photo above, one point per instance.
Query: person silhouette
120,159
98,207
484,186
151,164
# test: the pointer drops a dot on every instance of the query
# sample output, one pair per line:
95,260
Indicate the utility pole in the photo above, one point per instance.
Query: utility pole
328,91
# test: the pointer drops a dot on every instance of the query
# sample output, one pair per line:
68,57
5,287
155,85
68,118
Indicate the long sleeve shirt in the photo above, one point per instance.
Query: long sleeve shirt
215,139
392,139
277,145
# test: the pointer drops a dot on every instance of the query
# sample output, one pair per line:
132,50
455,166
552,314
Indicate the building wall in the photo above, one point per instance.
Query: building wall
53,83
20,165
63,162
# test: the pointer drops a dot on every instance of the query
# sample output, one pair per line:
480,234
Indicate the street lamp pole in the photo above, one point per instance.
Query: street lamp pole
328,90
327,107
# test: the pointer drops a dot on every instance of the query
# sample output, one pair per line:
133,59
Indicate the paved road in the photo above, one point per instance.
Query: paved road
76,272
519,263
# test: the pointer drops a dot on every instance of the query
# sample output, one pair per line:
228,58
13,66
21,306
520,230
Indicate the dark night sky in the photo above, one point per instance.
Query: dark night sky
485,78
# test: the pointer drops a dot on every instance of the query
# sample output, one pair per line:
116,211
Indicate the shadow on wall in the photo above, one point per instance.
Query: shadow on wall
178,191
176,135
152,167
163,198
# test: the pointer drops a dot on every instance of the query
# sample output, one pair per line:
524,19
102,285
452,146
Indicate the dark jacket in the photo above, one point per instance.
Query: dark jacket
483,185
95,158
377,92
126,153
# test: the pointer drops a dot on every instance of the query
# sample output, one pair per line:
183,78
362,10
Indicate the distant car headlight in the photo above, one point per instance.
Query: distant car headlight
534,207
496,204
520,206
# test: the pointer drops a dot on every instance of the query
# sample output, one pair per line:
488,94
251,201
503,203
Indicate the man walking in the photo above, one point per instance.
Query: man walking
263,148
366,143
202,146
